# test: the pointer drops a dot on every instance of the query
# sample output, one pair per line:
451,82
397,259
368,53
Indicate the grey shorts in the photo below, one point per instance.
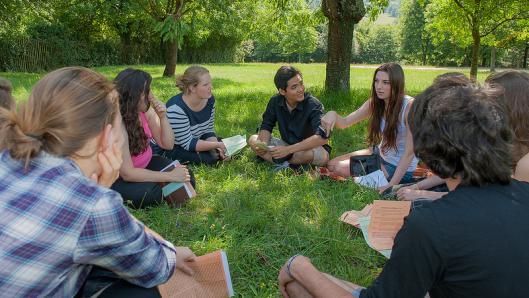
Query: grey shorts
320,154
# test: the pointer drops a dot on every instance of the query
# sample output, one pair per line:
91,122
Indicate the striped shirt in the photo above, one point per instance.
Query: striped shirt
55,224
190,126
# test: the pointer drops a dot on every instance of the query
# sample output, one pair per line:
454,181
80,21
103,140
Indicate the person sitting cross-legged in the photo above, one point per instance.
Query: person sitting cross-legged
470,243
298,115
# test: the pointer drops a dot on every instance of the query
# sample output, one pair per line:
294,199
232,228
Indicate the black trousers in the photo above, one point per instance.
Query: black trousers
145,194
178,153
113,286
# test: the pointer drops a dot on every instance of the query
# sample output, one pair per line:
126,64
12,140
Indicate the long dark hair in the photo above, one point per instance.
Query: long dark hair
131,84
391,113
515,85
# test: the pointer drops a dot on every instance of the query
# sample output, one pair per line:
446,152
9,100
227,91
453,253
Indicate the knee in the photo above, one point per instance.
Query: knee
251,140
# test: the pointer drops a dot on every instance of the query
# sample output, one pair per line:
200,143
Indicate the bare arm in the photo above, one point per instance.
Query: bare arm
332,118
159,125
131,174
521,172
205,145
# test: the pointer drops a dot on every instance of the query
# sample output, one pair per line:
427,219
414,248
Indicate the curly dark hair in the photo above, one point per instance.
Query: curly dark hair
131,84
464,131
392,113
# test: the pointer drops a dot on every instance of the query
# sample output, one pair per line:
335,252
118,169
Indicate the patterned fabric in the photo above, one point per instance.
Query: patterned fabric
55,224
190,126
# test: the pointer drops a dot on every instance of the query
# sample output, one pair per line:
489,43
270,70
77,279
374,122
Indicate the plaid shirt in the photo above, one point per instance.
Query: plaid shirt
55,223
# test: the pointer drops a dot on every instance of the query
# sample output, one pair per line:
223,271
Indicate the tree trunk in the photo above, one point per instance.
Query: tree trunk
525,55
493,59
476,38
340,41
170,58
342,15
126,48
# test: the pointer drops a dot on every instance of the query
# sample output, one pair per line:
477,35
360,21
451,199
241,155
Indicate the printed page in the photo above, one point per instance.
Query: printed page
211,279
387,218
352,217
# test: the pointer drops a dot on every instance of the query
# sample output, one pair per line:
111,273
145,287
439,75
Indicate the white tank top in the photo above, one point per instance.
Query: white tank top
391,155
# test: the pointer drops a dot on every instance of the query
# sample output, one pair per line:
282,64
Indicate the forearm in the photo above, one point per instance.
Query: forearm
402,167
430,182
314,281
144,175
308,143
203,145
167,134
264,136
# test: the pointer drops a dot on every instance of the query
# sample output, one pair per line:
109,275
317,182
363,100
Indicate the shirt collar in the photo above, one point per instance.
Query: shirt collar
299,106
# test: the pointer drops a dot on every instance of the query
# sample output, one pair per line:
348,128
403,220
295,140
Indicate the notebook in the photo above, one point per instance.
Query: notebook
234,144
211,279
177,193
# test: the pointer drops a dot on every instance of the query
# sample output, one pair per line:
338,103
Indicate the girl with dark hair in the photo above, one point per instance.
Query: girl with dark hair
64,233
140,172
192,117
388,131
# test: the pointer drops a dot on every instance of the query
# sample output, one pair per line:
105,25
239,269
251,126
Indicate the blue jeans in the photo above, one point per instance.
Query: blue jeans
407,178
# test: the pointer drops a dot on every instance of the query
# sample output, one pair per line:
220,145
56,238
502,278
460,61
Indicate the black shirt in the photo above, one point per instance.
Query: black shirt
303,122
474,242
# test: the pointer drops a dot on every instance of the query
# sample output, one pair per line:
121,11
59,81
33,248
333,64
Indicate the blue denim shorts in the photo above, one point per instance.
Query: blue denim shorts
407,178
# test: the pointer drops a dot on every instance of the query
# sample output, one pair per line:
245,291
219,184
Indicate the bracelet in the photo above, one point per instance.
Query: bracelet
289,263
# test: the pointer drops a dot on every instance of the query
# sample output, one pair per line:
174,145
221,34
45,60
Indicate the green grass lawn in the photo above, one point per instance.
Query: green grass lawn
258,217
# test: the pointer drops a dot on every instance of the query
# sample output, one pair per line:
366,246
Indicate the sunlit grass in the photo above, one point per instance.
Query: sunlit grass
259,217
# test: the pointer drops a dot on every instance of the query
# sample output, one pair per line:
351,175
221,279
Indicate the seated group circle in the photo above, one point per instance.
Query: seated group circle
81,145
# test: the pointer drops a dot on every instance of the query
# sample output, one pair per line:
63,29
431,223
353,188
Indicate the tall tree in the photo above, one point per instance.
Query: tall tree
342,16
169,14
415,40
473,20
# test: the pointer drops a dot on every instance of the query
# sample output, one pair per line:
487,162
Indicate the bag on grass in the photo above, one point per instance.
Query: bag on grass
362,165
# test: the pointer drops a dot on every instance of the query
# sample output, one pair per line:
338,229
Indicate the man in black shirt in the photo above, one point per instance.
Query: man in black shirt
470,243
298,115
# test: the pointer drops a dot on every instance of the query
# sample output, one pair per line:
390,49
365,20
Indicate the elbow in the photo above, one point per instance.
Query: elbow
167,145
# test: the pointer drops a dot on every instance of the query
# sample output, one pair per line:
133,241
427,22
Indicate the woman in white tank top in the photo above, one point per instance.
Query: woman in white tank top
387,110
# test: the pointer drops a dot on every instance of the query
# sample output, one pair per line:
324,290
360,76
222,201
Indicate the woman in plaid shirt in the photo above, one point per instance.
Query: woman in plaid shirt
60,225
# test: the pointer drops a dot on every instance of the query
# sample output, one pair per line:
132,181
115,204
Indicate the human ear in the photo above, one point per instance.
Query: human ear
282,92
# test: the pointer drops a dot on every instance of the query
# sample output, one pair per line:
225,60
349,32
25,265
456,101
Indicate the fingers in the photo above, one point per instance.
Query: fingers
186,269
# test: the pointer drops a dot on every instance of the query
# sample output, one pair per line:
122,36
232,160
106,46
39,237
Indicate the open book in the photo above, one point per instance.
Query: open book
211,279
379,222
177,193
374,179
234,144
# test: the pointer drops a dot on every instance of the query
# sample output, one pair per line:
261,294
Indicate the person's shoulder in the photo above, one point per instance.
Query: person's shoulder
521,172
312,101
174,100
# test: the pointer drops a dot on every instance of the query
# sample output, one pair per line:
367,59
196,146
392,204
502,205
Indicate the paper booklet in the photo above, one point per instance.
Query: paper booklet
171,187
211,279
379,222
234,144
374,179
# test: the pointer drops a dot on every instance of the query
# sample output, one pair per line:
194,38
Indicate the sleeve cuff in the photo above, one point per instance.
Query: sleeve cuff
193,145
